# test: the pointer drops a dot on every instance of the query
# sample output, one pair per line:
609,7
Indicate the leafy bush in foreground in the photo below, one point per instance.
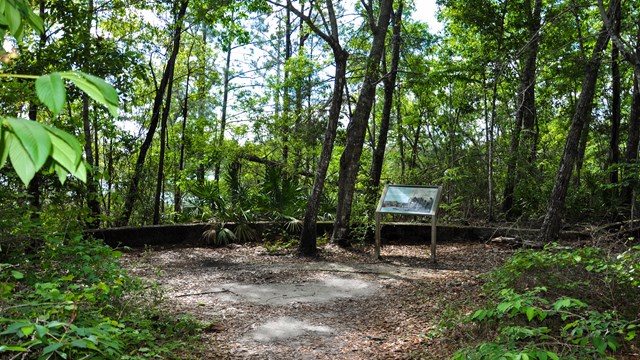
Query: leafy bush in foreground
71,299
560,304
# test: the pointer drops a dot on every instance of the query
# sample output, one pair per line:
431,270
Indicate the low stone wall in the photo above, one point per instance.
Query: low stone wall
192,234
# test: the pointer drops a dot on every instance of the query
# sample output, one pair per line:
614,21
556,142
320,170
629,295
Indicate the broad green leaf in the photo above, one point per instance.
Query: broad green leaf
91,89
51,91
41,330
81,172
27,330
13,19
4,348
17,274
21,161
65,149
34,139
110,94
51,348
61,172
530,313
4,144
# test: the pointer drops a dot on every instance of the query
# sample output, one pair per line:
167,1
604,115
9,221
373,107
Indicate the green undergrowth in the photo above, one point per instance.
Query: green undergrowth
559,303
69,298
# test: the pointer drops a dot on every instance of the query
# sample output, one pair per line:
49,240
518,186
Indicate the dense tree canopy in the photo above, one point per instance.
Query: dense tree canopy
243,111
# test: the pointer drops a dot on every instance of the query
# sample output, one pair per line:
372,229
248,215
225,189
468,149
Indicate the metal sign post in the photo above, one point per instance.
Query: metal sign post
409,200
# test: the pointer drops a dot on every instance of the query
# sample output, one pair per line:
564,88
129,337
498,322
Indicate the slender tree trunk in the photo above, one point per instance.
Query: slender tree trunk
309,228
526,114
552,221
92,187
177,199
308,236
400,139
34,188
159,196
389,87
614,143
356,130
132,193
631,153
225,102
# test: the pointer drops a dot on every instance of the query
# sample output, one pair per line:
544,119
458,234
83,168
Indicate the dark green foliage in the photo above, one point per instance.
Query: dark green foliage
70,299
560,303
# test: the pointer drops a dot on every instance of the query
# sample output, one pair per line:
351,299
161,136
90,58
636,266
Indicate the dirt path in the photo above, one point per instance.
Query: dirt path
342,305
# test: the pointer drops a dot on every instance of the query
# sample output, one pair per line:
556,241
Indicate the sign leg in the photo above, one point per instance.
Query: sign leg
377,250
433,239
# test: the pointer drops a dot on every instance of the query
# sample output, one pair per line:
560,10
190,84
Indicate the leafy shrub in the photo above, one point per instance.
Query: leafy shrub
71,299
560,303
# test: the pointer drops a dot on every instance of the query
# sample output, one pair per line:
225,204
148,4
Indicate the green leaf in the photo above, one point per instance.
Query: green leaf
27,330
14,20
51,91
4,348
81,172
530,313
110,94
51,348
41,330
22,163
553,355
17,274
4,144
33,138
66,150
96,92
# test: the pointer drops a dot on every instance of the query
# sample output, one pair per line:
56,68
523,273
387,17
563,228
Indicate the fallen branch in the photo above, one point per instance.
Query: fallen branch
207,293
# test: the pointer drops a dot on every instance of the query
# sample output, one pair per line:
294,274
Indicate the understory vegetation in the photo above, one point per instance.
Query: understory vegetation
559,303
63,296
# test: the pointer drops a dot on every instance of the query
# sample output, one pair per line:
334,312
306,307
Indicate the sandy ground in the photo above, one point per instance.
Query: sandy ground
341,305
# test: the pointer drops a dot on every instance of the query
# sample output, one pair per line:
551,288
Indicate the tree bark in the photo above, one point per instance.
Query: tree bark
159,195
177,198
614,143
308,235
92,187
356,130
389,87
526,113
552,220
132,192
631,153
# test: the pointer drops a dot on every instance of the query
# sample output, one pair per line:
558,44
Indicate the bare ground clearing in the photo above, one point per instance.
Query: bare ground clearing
341,305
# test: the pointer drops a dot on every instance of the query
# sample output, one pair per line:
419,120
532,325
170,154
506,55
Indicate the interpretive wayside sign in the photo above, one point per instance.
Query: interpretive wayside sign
399,199
409,200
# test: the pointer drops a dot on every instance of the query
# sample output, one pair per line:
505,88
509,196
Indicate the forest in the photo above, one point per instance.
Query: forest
131,113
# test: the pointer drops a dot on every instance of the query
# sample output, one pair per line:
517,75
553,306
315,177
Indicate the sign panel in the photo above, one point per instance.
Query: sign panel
404,199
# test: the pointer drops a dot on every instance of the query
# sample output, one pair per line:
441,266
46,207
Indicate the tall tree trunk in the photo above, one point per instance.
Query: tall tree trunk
631,153
309,230
132,192
286,99
34,188
614,143
389,81
400,139
159,196
356,130
552,220
526,113
308,235
177,198
225,104
92,187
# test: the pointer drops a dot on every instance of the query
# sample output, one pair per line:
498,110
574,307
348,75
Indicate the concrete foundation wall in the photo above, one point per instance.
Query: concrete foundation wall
390,233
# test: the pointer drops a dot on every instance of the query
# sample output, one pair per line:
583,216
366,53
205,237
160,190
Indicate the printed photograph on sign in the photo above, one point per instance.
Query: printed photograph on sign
410,200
